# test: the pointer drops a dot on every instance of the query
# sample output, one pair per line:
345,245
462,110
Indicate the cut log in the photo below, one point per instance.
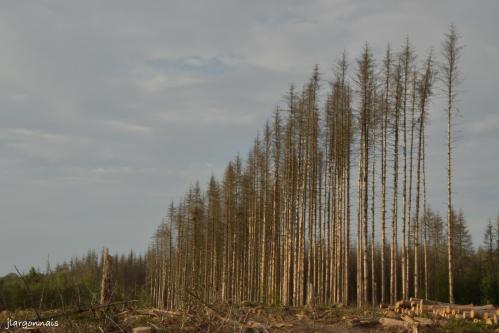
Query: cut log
391,314
253,326
480,314
488,307
311,297
143,329
424,321
364,323
417,306
409,320
389,322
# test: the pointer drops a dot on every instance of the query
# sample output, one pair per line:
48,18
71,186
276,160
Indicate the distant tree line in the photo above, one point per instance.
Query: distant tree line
74,284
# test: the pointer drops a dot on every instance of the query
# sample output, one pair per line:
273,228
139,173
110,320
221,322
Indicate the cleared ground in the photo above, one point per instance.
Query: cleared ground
249,318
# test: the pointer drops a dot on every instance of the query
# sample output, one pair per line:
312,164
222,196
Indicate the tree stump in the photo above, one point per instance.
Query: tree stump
106,288
310,297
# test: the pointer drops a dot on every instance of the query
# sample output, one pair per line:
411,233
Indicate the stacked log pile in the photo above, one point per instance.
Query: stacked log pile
416,313
409,324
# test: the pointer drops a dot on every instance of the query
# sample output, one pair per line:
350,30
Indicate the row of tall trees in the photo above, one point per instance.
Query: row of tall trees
277,228
75,283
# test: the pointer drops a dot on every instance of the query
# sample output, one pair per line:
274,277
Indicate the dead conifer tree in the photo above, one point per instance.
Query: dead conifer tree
365,81
450,52
387,64
406,59
424,91
394,248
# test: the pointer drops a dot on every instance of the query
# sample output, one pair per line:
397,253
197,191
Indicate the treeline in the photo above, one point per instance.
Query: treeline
330,203
476,270
74,284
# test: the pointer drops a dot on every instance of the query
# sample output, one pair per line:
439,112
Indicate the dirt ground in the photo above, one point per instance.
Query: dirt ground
245,319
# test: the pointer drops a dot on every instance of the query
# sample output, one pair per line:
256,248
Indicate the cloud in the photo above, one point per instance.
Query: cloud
488,125
109,110
37,145
121,126
192,64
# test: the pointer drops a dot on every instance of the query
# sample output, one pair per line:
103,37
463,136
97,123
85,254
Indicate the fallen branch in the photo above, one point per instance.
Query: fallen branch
217,313
29,292
92,308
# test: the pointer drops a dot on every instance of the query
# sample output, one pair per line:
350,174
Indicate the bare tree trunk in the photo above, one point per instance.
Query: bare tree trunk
393,257
425,221
359,234
406,59
106,288
409,200
346,279
425,92
386,106
450,77
373,202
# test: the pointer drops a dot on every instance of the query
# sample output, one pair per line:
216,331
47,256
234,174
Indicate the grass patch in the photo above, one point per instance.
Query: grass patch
464,326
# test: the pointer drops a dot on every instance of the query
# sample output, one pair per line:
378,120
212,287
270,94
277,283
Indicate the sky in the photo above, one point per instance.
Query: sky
109,110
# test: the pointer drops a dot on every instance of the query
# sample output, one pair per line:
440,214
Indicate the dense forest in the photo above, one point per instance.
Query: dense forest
330,204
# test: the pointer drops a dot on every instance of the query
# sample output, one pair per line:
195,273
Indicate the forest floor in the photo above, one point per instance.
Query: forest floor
246,319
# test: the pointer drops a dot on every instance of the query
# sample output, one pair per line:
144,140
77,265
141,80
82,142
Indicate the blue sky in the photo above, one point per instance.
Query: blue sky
109,110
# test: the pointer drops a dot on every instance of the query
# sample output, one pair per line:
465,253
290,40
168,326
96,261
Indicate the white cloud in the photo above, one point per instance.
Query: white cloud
110,109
